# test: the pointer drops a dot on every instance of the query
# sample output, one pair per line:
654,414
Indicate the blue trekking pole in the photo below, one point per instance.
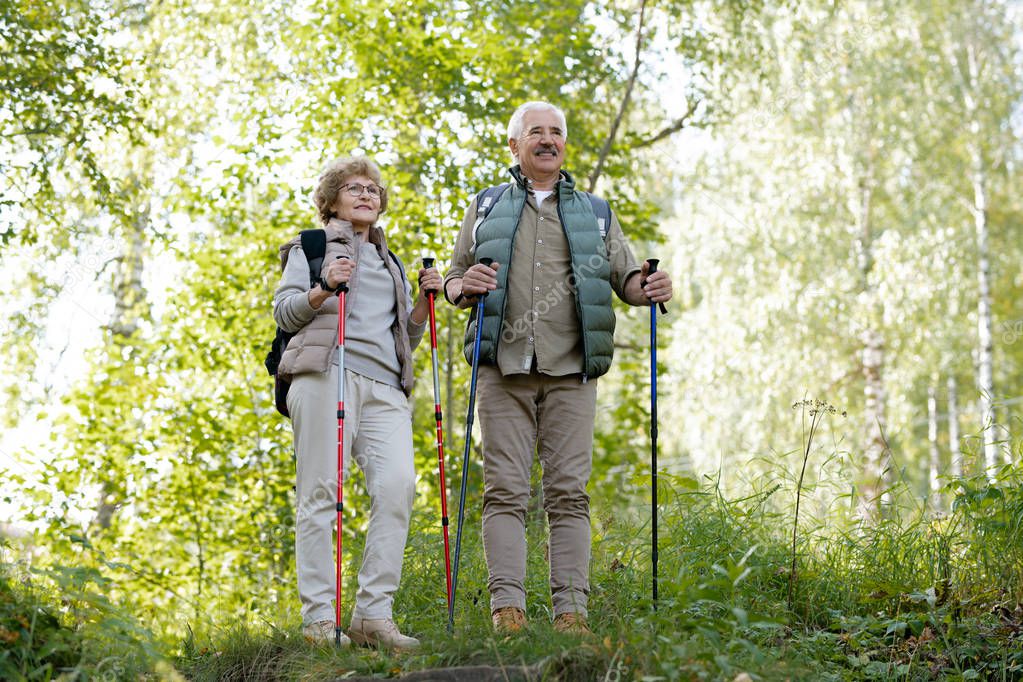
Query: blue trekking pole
468,447
652,263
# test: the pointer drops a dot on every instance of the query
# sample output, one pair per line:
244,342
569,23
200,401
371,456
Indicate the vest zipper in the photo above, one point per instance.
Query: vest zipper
578,302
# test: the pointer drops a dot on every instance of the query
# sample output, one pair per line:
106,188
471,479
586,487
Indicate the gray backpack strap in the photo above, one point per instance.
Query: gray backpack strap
602,210
485,201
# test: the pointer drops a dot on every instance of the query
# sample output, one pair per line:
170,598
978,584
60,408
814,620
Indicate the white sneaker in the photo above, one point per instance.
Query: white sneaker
380,632
322,632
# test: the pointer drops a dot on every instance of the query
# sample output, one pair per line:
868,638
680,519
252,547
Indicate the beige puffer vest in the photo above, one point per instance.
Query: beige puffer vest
313,347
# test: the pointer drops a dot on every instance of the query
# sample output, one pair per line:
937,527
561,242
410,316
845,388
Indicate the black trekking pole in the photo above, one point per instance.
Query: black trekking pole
652,263
431,296
468,447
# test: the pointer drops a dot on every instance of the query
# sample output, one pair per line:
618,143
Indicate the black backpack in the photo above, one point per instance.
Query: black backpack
314,244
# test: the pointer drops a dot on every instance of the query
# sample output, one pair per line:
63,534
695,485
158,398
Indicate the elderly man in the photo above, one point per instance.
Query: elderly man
547,335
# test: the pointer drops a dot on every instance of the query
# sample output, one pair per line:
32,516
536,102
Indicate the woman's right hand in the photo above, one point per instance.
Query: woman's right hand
339,271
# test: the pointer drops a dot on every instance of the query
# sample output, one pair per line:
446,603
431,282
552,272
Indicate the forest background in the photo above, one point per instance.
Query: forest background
834,187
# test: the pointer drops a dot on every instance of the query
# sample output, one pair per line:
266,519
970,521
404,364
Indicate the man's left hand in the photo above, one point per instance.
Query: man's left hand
656,287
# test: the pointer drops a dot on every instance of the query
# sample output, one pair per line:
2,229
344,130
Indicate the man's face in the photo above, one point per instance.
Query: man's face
541,146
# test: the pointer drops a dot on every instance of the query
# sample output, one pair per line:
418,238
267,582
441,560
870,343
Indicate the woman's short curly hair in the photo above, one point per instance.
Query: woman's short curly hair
335,176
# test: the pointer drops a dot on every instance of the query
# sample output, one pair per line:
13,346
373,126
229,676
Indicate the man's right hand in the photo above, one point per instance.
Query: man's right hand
479,279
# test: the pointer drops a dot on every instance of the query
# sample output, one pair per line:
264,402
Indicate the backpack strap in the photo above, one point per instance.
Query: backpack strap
314,244
485,201
397,261
487,198
602,210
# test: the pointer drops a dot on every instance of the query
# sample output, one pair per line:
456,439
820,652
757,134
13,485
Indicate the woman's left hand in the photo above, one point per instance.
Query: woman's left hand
429,280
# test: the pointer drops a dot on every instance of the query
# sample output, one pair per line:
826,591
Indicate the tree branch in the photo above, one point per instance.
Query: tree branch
595,175
675,126
41,129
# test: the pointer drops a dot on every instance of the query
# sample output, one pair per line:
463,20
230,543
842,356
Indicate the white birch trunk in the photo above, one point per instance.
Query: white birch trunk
934,460
877,469
985,343
955,452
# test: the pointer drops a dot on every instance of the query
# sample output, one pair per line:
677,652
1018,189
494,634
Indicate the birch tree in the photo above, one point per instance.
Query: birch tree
977,45
832,210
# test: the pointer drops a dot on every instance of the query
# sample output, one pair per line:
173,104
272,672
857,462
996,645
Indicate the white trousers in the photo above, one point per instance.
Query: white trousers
378,430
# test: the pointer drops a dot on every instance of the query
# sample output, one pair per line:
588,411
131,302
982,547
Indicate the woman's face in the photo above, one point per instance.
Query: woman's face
362,209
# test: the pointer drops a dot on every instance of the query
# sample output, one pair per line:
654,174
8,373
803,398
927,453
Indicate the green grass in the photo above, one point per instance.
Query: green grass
909,598
906,599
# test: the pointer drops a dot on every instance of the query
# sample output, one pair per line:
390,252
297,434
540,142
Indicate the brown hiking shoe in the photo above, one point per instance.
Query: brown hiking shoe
571,624
509,620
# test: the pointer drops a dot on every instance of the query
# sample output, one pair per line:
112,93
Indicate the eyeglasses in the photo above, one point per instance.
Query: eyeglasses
356,190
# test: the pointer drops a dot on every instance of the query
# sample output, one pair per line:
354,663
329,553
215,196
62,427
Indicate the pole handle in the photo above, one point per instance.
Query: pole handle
652,263
342,286
427,264
488,262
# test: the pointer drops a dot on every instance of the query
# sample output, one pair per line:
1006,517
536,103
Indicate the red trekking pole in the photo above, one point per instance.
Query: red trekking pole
342,289
430,296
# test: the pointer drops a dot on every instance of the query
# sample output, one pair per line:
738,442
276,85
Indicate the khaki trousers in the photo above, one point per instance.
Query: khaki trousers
520,415
378,430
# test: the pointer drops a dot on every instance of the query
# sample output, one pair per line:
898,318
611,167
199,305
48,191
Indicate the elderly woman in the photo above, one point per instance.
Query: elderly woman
382,326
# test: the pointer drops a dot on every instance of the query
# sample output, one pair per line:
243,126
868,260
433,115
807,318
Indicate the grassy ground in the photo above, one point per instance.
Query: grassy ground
906,599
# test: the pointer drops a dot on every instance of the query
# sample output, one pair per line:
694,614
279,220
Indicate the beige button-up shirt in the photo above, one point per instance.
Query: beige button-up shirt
540,318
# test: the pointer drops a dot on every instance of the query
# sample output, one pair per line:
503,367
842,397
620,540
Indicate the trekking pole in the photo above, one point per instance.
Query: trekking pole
342,289
431,296
468,447
652,263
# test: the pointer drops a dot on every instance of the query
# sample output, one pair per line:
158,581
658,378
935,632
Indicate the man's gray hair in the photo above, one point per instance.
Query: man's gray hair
515,124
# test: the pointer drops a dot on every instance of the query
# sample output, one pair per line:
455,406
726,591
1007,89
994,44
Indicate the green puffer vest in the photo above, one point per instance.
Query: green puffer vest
591,273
